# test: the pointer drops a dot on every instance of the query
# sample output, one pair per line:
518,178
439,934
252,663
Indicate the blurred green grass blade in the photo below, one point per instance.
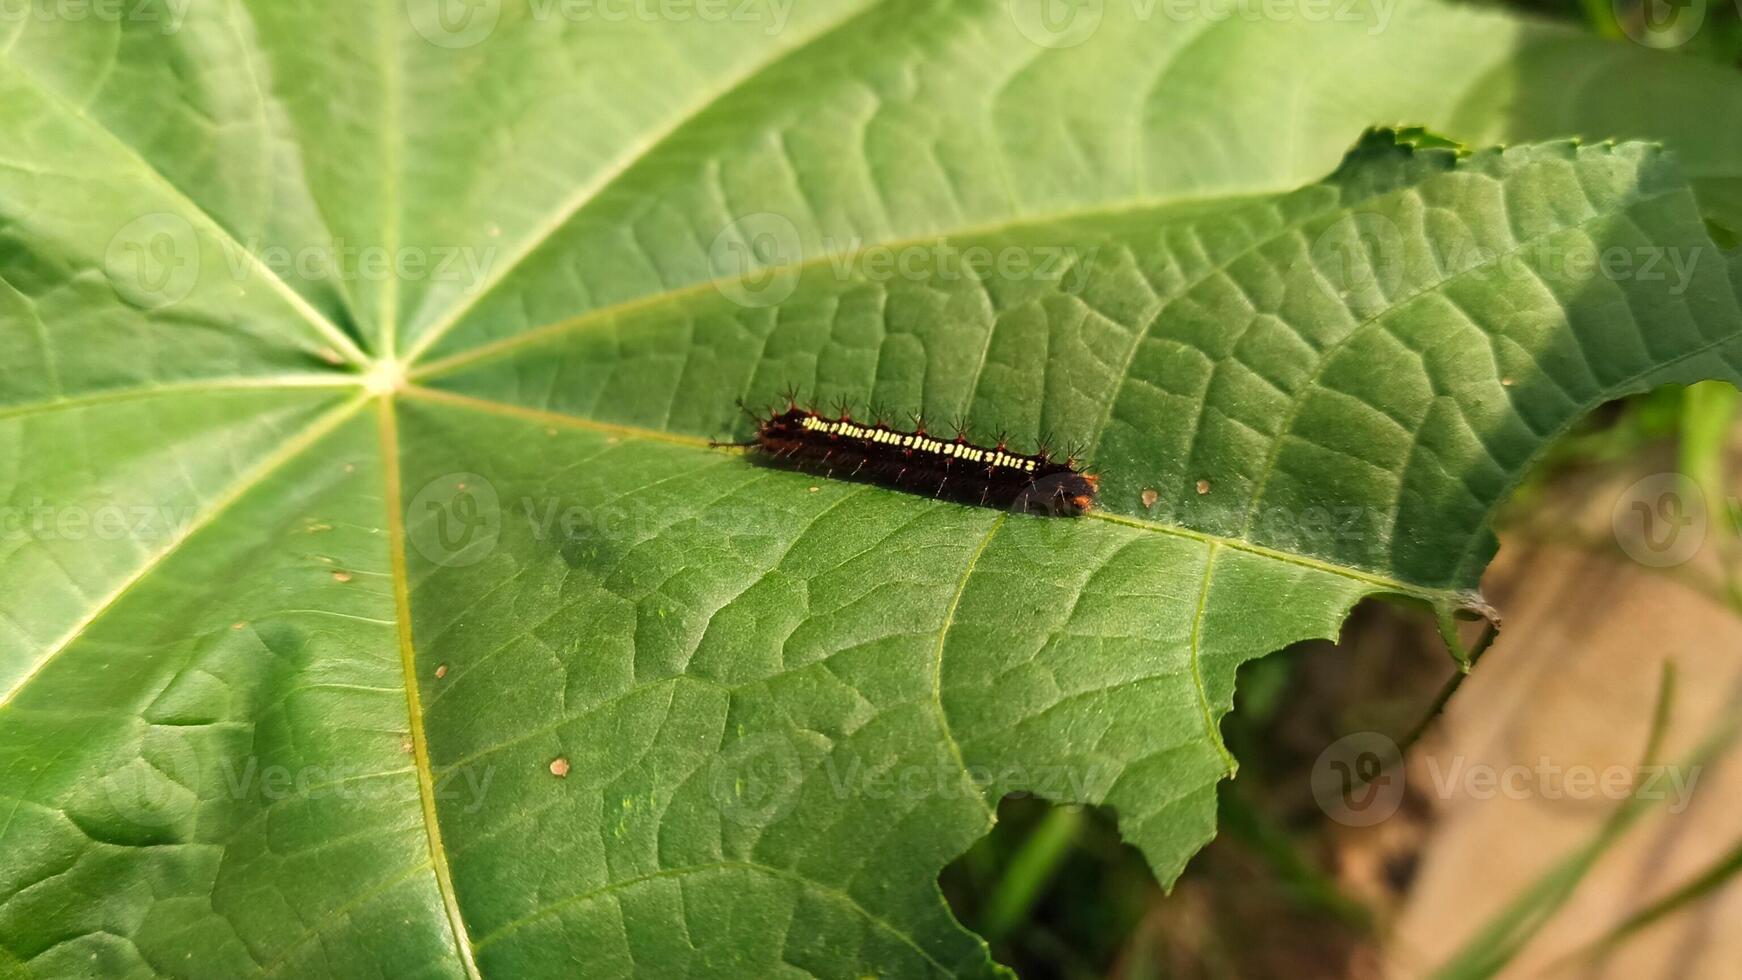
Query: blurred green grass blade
1707,437
1708,430
1309,886
1031,869
1720,873
1509,930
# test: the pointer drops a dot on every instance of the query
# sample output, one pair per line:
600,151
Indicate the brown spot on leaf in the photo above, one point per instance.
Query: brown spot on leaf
340,575
1203,487
441,671
1150,497
559,767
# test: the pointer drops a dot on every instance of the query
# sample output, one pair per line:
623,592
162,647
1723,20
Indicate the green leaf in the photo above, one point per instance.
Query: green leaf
373,603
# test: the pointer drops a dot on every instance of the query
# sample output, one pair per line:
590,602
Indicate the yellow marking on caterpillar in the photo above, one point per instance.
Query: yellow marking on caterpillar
991,457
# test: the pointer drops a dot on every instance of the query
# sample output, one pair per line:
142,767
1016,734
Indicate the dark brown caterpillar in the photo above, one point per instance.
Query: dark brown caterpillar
917,462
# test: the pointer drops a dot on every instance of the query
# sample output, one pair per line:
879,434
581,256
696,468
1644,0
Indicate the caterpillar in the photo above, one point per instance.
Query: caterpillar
917,462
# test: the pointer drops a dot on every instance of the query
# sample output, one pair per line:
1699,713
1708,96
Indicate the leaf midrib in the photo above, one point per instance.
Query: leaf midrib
394,503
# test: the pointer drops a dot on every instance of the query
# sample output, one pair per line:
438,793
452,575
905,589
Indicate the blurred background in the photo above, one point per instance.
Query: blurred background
1568,809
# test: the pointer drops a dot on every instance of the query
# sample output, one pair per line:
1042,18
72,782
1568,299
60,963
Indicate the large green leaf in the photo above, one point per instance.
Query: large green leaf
399,620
